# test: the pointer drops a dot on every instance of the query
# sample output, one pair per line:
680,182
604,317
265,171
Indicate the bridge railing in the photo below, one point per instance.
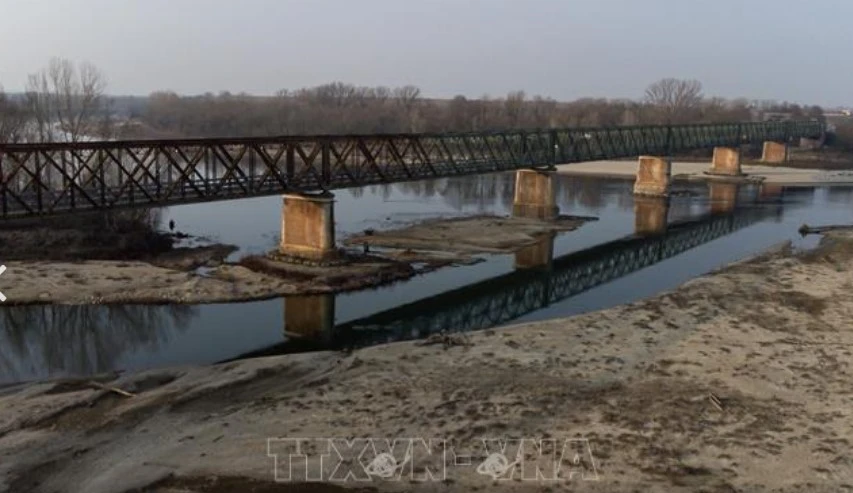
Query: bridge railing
52,178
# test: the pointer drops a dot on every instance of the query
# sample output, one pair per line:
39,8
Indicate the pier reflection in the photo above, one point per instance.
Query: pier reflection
723,197
539,255
530,287
650,215
309,317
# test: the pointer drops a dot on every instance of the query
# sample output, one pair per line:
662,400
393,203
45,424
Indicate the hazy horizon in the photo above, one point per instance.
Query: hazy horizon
766,50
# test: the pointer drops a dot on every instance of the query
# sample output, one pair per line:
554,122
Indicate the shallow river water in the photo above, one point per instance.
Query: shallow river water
604,263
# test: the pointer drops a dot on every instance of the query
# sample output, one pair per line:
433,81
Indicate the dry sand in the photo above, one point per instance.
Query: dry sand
103,281
776,175
166,280
736,381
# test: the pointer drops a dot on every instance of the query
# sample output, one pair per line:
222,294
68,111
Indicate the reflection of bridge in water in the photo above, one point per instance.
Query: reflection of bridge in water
537,282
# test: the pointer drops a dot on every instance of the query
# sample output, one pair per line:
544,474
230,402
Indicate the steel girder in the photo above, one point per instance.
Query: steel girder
56,178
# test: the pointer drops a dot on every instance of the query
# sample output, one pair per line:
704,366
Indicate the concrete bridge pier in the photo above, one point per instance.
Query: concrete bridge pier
308,226
650,215
535,195
723,197
537,255
653,176
774,152
309,317
726,162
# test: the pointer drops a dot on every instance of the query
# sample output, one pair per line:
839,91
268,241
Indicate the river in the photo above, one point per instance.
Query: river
38,342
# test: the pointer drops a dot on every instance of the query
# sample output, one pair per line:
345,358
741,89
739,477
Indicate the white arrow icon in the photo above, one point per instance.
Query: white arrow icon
2,270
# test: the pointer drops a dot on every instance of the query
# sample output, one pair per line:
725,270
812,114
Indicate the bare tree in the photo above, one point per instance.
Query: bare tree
675,100
13,119
514,108
458,114
67,102
407,99
407,96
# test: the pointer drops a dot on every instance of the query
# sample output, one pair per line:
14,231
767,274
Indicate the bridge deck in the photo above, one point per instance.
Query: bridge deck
57,178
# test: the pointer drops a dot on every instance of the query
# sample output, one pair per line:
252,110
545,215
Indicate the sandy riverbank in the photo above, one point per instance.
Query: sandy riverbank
172,276
736,381
773,175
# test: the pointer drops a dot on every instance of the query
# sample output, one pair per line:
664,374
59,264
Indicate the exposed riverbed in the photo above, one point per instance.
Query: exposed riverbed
421,248
43,341
736,381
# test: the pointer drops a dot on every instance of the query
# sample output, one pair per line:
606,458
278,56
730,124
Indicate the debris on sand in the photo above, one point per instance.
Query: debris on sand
805,229
446,340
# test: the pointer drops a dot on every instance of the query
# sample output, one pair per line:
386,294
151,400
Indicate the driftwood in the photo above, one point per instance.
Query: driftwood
805,229
446,340
115,390
715,401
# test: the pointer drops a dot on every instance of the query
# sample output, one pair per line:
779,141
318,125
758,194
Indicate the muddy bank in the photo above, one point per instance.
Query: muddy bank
479,234
736,381
175,276
103,236
682,170
827,158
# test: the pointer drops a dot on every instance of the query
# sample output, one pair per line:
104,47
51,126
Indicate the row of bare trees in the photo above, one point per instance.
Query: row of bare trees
68,102
345,108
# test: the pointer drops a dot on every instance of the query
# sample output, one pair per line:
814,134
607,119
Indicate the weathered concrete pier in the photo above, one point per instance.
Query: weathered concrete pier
774,152
726,162
535,195
308,226
654,175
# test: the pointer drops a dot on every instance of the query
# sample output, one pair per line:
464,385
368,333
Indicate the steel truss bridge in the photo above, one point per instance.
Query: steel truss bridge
499,300
58,178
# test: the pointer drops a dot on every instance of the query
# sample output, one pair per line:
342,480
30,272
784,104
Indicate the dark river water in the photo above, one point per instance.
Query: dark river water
602,264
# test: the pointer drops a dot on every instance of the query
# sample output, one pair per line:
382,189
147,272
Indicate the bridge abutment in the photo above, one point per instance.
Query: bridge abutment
726,161
308,226
309,317
650,215
653,176
774,152
535,195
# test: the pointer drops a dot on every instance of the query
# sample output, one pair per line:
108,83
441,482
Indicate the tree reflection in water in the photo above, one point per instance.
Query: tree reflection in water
485,192
38,341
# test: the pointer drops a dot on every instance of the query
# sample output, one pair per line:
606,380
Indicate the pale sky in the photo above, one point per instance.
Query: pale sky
759,49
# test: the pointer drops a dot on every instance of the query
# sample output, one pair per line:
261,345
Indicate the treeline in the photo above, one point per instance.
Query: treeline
345,108
68,102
